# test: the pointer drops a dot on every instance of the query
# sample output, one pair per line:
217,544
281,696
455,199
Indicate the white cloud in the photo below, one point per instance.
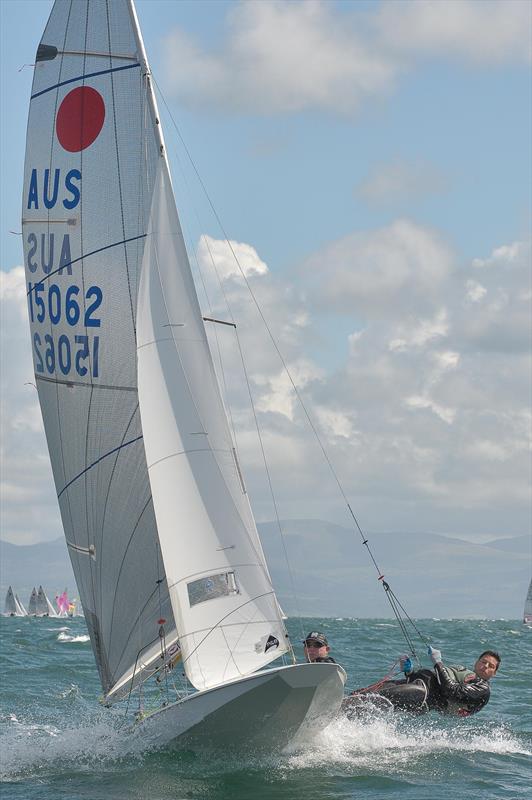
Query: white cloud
484,31
280,396
280,57
425,415
498,319
28,504
286,57
475,291
230,258
401,181
420,332
384,272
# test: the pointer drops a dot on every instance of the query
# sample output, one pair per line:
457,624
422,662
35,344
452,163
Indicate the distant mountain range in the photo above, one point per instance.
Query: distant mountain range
331,573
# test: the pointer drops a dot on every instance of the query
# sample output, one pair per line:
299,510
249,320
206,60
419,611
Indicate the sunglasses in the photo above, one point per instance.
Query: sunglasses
315,644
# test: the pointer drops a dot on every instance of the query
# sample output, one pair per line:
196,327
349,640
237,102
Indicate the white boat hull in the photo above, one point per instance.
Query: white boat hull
263,711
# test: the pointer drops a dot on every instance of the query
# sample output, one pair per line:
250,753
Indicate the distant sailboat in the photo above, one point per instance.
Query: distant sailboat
32,603
62,603
157,519
20,607
44,607
65,606
527,613
13,607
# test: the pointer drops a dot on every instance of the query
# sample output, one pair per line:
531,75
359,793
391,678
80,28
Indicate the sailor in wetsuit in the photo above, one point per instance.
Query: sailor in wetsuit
317,648
453,690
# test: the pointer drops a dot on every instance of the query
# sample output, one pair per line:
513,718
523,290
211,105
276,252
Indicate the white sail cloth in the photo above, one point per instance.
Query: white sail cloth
226,612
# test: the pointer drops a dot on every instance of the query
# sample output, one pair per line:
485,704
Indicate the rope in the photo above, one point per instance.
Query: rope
378,685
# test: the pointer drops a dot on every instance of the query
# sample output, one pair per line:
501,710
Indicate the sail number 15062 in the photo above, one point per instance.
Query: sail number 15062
48,303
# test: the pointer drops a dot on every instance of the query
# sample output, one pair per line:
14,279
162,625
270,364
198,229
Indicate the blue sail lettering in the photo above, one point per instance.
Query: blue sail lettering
65,260
33,194
49,191
47,266
50,202
32,241
73,174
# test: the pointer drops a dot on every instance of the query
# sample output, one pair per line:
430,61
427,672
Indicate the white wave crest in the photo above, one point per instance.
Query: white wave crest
394,740
66,637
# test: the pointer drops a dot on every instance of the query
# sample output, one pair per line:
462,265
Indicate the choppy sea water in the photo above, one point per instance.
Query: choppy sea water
58,743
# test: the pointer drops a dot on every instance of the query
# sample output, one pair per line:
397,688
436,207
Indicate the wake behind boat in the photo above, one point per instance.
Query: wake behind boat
156,516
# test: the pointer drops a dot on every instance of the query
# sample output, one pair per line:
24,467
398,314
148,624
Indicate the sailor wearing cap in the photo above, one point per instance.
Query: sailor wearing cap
317,648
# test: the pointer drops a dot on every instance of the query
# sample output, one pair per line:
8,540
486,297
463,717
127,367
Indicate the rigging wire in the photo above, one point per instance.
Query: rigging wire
395,605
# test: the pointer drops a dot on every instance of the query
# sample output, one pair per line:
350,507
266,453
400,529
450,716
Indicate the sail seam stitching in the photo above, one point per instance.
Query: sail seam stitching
83,77
83,472
87,255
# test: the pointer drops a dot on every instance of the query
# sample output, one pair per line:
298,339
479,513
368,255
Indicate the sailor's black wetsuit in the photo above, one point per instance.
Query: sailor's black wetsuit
459,691
327,660
450,690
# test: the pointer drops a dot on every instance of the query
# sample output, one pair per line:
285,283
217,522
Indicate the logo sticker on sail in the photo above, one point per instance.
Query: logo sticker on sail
80,118
272,642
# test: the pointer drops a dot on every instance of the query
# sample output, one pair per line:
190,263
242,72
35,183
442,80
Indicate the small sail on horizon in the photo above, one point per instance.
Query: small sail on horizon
13,606
44,606
62,603
32,603
527,612
20,607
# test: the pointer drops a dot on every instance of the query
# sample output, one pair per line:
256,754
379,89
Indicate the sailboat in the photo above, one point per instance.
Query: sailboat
13,607
44,606
32,603
62,603
527,612
154,507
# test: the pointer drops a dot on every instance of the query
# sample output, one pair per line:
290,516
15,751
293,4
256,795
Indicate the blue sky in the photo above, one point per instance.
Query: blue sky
375,157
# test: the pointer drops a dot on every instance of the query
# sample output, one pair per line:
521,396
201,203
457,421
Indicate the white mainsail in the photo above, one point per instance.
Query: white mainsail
91,161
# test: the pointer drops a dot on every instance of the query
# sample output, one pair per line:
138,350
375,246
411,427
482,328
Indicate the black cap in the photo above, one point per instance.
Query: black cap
316,636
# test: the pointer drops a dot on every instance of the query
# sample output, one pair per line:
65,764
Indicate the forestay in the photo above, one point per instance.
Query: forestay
90,168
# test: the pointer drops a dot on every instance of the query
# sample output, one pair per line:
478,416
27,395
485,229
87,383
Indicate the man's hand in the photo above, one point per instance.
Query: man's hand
405,664
434,654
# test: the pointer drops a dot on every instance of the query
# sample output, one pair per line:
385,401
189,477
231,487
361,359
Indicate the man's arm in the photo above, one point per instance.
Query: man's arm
465,696
472,695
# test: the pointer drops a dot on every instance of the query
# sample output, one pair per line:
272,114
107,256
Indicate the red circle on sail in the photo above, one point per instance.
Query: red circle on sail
80,118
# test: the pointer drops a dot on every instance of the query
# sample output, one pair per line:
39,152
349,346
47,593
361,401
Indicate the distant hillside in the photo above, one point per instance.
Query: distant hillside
517,544
433,575
26,566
